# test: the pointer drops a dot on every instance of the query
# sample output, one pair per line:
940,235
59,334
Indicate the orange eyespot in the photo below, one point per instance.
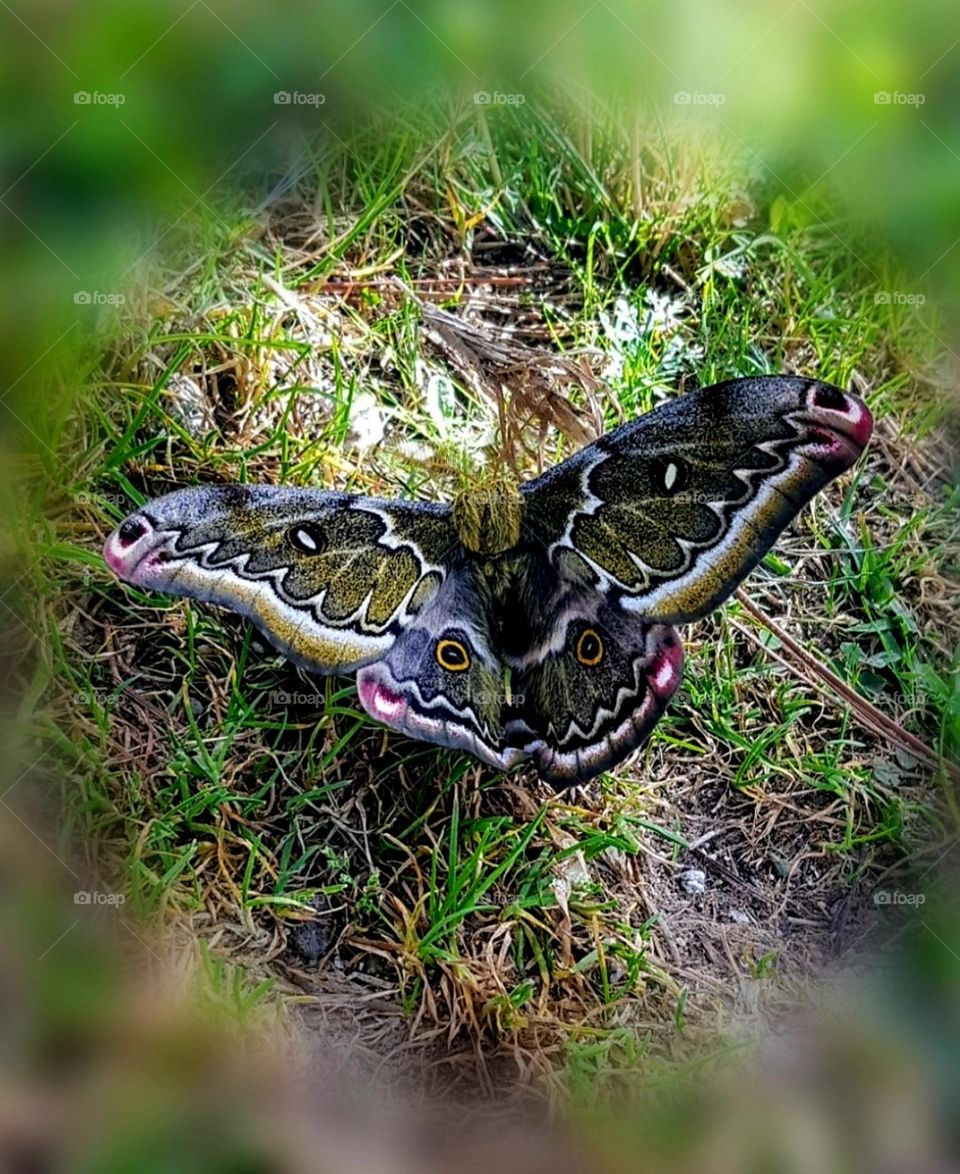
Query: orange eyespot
589,647
452,656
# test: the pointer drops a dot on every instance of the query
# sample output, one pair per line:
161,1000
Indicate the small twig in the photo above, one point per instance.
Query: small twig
671,272
345,285
819,675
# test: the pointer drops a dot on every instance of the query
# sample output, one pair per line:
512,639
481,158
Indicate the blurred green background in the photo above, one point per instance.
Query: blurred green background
119,117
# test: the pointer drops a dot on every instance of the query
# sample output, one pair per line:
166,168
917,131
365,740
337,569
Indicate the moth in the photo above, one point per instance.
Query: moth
536,630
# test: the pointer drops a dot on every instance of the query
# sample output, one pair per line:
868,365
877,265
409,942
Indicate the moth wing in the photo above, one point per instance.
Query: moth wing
331,579
668,514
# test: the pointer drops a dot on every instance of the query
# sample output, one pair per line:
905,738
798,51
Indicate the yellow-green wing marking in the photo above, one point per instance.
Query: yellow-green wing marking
329,578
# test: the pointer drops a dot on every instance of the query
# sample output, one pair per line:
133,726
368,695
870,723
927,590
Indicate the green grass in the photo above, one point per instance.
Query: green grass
506,918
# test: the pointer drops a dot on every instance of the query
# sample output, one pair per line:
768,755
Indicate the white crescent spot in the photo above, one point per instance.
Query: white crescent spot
664,677
386,705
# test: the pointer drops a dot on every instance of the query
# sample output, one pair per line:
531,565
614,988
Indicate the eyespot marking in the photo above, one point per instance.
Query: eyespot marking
131,531
827,396
670,473
307,539
589,647
452,656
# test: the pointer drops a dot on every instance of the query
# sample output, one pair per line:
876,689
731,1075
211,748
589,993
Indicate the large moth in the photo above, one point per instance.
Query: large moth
554,648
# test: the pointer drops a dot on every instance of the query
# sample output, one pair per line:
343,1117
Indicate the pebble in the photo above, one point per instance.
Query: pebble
693,880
